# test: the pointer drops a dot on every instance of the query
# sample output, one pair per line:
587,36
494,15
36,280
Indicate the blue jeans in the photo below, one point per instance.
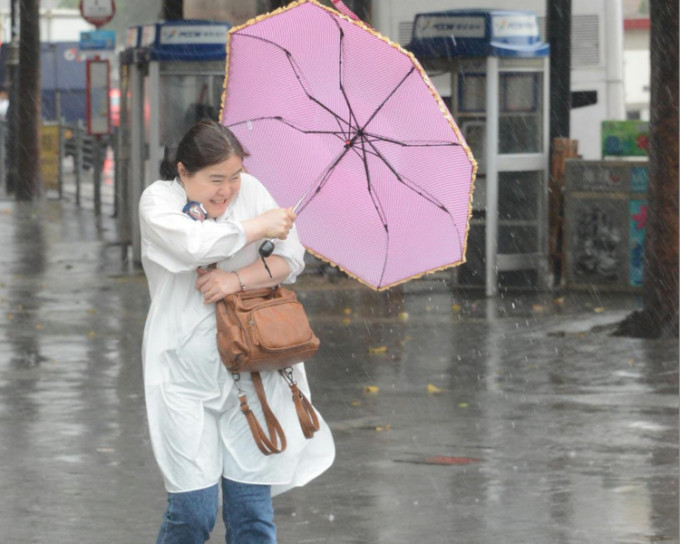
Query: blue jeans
247,512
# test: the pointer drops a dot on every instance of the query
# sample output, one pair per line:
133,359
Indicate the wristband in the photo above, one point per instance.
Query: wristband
240,282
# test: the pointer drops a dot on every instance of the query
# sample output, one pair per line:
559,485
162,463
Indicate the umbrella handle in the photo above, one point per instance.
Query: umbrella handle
342,8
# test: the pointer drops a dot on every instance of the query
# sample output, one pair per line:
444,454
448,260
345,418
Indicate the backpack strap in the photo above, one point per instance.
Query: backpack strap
275,441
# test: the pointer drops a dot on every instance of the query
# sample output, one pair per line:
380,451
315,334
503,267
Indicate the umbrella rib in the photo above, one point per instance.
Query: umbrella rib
299,77
388,97
419,191
291,125
352,117
412,143
378,209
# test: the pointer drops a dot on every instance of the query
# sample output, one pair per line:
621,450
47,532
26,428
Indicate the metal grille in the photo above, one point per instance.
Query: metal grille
585,39
405,31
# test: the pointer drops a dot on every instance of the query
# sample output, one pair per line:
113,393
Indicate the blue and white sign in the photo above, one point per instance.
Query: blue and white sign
445,26
197,34
97,40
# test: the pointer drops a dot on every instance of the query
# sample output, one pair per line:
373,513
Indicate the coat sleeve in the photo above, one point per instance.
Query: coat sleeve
178,243
290,249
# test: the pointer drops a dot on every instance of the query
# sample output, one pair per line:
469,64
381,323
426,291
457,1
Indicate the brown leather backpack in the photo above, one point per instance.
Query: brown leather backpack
267,329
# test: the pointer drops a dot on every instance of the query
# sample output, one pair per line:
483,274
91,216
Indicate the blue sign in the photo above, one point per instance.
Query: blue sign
97,40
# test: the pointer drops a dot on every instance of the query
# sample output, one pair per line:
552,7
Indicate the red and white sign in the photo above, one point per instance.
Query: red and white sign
97,12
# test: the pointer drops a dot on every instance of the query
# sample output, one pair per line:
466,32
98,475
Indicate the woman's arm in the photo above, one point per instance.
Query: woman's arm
216,284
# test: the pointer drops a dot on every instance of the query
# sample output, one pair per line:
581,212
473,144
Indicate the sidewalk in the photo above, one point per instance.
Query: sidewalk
457,419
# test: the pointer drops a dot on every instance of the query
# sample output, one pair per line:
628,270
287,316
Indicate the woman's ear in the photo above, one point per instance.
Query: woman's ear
181,170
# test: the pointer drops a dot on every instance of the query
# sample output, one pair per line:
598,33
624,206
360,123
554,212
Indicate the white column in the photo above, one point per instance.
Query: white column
613,31
492,112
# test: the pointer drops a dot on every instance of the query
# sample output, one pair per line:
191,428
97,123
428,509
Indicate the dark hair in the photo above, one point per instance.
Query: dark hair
205,144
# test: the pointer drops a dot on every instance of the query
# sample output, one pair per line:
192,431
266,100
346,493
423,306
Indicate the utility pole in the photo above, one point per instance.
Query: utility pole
559,37
659,315
28,182
11,141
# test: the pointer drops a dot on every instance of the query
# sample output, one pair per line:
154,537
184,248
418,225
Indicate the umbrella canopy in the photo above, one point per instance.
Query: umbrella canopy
345,124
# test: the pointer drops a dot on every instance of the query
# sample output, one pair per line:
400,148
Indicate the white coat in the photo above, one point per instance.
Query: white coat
197,430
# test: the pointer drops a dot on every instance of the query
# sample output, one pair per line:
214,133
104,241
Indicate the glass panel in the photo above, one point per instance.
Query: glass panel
520,125
184,99
519,195
473,271
513,239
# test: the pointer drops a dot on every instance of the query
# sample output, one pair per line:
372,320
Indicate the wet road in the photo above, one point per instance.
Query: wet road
457,419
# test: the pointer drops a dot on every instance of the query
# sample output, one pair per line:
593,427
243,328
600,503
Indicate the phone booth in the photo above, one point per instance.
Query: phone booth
499,71
171,75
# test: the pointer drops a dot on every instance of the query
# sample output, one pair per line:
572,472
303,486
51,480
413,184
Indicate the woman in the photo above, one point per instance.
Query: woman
199,436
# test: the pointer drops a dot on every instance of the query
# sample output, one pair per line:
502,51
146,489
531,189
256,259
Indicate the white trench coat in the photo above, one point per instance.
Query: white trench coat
198,432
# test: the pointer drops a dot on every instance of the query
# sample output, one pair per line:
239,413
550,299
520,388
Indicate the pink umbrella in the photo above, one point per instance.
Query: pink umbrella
346,126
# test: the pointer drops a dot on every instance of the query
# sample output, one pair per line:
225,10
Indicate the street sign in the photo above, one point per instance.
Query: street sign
97,40
97,12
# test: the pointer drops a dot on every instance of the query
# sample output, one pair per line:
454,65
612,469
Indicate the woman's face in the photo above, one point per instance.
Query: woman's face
213,186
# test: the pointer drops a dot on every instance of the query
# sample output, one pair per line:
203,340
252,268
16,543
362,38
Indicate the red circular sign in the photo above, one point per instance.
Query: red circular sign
97,12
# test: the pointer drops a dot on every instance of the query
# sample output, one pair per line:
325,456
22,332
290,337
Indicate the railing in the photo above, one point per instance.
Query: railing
85,169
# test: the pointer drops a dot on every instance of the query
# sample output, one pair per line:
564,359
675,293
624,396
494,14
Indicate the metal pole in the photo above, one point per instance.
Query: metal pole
97,173
79,158
492,111
62,154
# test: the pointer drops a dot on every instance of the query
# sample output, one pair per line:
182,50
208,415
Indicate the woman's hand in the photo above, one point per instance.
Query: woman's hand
216,284
275,223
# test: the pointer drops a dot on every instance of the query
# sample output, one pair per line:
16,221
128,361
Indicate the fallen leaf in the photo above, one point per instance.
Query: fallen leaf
385,428
538,308
38,326
371,389
433,388
376,350
403,316
559,300
91,311
598,310
456,308
462,405
631,362
347,311
346,321
356,403
92,334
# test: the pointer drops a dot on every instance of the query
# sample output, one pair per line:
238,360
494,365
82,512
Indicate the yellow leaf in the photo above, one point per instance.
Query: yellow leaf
346,321
598,310
559,301
371,389
383,428
433,388
356,403
92,334
347,311
462,405
376,350
456,308
538,308
403,316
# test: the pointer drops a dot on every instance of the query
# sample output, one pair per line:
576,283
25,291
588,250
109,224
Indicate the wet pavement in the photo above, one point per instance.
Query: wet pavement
457,419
